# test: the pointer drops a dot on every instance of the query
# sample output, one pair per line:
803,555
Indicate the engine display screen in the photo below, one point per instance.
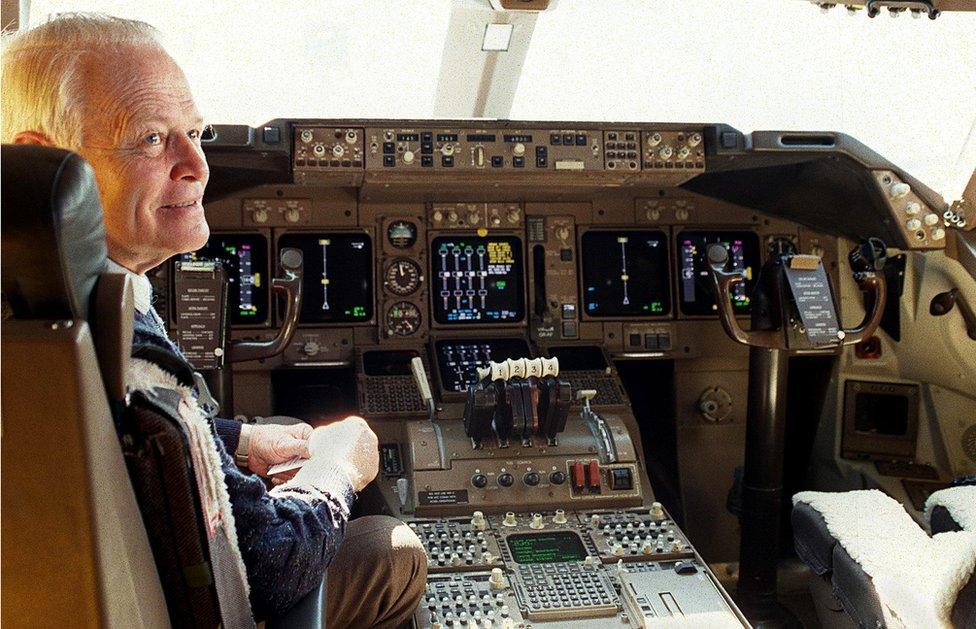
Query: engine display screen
337,281
696,287
245,260
625,274
458,359
477,280
555,547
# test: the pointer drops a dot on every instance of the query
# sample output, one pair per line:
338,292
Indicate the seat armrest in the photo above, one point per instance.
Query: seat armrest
952,509
308,613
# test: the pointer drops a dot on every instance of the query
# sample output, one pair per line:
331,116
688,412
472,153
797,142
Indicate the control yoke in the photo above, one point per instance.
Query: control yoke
289,284
867,261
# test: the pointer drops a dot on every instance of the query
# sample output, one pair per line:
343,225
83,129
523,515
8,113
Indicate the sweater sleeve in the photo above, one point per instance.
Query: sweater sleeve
229,431
287,541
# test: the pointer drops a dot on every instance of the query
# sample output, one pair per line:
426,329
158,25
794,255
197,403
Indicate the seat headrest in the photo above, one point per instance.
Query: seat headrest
53,236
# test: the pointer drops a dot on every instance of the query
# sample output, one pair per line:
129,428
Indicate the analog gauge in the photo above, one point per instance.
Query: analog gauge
780,245
403,318
402,234
403,277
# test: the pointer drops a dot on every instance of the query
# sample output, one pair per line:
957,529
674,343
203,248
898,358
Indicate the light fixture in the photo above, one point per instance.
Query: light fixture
497,37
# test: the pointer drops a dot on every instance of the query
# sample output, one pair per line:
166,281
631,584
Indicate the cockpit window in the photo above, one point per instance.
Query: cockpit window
905,87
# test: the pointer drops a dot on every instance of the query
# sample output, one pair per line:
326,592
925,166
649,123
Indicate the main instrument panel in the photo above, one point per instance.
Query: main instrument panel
470,244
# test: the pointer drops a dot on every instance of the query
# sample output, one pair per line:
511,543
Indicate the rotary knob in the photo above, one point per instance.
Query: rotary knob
497,579
512,216
617,550
557,478
531,479
452,216
654,140
447,150
480,481
913,207
912,224
595,519
898,190
338,150
510,519
505,479
684,152
657,511
537,522
260,215
438,216
292,215
310,348
560,517
694,139
478,522
938,233
306,135
518,150
408,157
930,219
473,218
665,152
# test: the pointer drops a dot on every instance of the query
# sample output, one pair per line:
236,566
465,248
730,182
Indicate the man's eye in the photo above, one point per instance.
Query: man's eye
154,139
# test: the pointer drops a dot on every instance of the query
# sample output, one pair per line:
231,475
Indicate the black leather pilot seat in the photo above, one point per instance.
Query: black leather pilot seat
882,567
75,546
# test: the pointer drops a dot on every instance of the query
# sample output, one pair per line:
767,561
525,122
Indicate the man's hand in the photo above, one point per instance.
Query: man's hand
271,444
352,445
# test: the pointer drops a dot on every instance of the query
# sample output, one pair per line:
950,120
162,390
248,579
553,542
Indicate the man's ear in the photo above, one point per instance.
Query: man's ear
33,137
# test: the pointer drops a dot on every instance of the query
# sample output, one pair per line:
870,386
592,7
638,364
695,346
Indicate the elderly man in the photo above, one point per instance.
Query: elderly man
105,88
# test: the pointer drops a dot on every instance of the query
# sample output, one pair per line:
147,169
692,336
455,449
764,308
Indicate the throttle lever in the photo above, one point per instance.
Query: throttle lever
289,284
718,257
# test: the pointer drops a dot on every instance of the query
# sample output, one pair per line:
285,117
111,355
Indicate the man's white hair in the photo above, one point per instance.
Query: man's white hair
42,83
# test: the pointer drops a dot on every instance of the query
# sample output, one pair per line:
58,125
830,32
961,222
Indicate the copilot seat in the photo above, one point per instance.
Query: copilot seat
883,568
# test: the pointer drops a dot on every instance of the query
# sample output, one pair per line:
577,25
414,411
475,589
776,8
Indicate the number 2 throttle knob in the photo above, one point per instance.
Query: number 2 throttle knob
531,479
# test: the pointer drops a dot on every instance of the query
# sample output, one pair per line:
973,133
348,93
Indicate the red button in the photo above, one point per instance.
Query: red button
578,480
594,476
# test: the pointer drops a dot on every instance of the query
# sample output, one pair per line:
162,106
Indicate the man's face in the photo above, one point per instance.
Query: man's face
142,138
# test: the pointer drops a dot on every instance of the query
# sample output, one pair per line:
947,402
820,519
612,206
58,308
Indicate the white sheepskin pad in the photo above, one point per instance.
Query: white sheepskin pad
959,501
917,577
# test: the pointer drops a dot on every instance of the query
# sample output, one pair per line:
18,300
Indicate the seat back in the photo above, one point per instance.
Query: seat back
74,551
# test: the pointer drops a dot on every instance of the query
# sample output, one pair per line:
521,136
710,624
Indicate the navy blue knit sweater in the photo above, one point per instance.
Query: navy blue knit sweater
286,543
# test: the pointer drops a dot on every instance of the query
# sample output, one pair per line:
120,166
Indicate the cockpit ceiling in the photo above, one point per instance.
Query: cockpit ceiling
905,87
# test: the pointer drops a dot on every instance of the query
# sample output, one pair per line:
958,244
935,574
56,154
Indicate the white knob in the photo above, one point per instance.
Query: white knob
617,549
306,135
478,521
595,519
487,557
560,517
931,219
497,579
455,559
913,207
473,218
912,224
311,348
694,139
518,150
677,545
408,157
683,152
654,140
591,560
898,190
510,519
338,150
647,548
938,233
292,215
536,522
512,216
665,152
447,149
438,216
261,216
452,216
657,510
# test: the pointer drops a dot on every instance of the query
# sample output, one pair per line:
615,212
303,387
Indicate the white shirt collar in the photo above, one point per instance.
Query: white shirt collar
141,287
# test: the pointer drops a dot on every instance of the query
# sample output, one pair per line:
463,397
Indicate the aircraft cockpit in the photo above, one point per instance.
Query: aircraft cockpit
621,372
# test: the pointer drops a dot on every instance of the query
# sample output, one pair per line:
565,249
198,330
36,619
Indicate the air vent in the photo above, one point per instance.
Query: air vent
819,141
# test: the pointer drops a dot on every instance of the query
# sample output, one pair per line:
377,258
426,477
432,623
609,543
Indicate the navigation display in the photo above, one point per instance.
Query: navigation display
458,359
477,280
625,274
245,260
558,546
696,288
337,284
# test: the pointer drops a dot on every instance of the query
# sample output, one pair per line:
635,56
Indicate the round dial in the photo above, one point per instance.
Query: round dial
403,277
402,234
403,318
